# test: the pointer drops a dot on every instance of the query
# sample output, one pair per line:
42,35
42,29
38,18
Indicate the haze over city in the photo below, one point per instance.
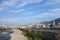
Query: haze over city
29,19
16,12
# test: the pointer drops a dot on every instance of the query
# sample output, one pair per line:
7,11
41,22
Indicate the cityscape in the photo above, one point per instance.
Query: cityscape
29,19
51,24
51,28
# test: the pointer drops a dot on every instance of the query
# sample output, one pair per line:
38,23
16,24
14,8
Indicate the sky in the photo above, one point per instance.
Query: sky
20,12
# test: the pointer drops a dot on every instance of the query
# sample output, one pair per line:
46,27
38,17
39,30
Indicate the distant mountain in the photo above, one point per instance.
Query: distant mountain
57,20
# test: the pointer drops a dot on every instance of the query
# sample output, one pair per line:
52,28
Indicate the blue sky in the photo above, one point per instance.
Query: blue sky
16,12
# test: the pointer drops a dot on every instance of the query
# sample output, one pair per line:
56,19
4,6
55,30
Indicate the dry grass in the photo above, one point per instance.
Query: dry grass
58,35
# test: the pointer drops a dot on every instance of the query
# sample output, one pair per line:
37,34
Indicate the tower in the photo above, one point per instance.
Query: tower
54,22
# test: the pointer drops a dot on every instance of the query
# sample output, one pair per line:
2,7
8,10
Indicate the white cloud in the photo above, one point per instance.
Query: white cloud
1,9
16,3
20,2
26,2
11,20
19,10
16,11
50,2
28,13
56,10
9,3
55,13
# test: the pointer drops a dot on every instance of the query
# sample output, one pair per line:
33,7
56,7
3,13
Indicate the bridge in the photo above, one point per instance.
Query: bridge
48,32
47,29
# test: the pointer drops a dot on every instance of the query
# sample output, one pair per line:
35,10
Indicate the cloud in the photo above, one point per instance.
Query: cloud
16,11
14,6
26,2
14,21
1,9
28,13
10,20
50,2
8,4
18,2
52,14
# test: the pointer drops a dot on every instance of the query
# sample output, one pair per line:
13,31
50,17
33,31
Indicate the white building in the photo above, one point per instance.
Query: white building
23,26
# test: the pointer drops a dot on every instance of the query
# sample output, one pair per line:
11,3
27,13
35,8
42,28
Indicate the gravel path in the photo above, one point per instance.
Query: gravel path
17,35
